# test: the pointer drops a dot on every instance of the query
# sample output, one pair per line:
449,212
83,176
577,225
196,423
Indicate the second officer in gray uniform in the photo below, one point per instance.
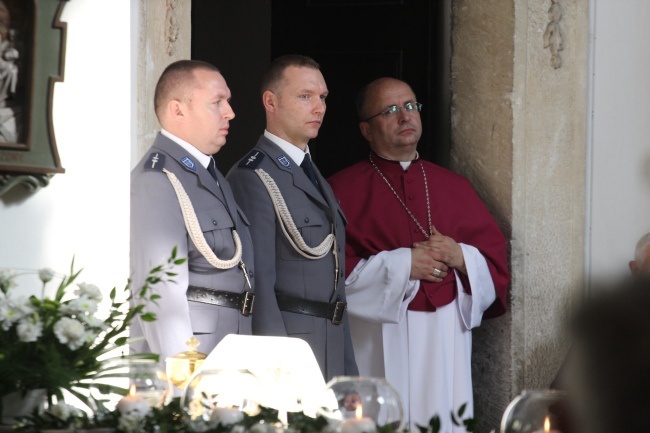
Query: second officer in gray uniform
296,224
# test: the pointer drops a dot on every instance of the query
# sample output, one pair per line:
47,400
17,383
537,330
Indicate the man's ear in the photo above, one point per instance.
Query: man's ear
365,130
175,110
633,267
269,100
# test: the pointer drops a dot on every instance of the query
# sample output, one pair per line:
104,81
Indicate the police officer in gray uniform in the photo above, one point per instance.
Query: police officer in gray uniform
179,199
297,227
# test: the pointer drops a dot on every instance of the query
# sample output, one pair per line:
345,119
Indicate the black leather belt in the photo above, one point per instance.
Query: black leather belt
241,301
292,304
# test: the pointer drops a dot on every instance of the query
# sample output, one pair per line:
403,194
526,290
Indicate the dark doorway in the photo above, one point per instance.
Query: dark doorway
354,41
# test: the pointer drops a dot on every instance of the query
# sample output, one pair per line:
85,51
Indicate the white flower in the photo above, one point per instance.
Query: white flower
78,306
29,329
131,422
70,332
90,337
7,279
14,308
90,291
94,322
64,411
46,275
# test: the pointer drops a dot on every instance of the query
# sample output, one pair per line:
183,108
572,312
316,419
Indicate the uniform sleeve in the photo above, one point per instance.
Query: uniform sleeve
252,197
379,289
157,227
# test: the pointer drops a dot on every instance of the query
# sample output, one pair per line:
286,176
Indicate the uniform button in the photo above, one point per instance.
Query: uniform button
214,222
250,274
415,230
306,220
409,180
411,197
338,247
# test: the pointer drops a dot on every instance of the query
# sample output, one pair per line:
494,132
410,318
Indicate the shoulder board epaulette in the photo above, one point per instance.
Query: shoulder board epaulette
252,160
155,162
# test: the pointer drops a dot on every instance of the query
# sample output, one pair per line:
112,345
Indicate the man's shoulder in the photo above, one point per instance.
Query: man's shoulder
350,173
444,174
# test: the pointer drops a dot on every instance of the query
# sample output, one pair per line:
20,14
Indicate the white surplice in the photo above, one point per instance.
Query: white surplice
426,356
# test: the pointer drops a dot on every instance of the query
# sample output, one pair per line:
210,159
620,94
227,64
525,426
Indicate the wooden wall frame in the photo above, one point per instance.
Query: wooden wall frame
32,60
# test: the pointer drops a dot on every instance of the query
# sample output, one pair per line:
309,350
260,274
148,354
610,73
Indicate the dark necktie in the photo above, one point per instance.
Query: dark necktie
308,167
212,168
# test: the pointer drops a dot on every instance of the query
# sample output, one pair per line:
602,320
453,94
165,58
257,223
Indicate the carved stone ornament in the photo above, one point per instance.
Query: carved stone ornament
32,57
172,30
553,34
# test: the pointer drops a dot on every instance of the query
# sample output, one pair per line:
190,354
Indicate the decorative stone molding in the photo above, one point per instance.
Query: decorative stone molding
31,182
553,34
172,29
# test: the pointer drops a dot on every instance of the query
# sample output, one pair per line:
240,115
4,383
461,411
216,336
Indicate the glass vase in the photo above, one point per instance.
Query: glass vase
362,405
536,411
141,378
220,397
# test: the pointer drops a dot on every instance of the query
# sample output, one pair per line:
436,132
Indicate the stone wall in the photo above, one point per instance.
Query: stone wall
518,133
164,28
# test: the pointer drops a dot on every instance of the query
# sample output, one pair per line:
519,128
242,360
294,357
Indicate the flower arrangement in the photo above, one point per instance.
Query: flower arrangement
59,342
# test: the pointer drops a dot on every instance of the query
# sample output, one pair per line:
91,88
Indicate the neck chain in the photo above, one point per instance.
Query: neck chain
426,191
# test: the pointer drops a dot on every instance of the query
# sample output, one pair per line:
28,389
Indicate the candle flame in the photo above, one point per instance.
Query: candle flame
547,425
358,413
132,389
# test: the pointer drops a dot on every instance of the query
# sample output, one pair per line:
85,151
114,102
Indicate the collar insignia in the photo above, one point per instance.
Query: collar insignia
187,162
282,159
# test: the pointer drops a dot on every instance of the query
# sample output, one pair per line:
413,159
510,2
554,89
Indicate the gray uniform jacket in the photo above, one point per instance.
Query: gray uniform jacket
157,226
280,269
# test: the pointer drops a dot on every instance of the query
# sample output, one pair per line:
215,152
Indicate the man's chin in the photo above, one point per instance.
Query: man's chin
216,147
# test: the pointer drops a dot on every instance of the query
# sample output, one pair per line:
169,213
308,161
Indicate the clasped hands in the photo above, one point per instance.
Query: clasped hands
438,252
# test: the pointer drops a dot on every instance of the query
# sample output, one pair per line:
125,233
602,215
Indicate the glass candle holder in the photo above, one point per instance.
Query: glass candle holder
536,411
220,397
141,378
361,405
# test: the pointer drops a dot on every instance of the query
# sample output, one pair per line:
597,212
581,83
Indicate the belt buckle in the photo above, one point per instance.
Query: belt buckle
339,309
247,304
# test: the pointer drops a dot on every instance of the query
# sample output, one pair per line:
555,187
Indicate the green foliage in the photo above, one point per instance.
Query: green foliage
470,424
57,343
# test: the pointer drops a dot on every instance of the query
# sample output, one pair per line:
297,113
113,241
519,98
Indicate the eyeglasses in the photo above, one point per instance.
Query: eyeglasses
394,109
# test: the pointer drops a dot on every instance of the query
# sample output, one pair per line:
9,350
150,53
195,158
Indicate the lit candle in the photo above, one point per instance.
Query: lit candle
226,415
131,402
358,424
547,427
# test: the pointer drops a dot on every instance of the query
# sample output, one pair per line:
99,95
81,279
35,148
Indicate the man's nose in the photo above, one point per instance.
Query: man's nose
228,112
319,106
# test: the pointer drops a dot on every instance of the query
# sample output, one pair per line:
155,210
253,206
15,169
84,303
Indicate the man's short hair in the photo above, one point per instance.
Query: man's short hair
275,73
640,246
362,96
175,78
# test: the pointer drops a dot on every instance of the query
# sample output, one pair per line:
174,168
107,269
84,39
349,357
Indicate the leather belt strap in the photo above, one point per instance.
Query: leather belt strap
293,304
241,301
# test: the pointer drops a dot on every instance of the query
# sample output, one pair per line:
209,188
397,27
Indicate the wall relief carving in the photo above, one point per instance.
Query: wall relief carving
553,34
32,60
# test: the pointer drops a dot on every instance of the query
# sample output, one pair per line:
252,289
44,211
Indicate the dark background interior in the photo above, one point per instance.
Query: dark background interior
354,41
